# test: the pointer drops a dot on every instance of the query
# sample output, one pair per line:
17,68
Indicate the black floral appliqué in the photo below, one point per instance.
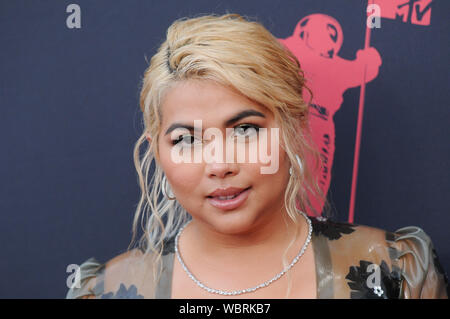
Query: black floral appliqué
330,229
389,283
123,293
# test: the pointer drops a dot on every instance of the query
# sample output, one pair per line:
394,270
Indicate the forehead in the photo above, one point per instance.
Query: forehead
204,100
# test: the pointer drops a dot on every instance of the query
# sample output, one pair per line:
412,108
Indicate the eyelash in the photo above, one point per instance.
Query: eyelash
181,137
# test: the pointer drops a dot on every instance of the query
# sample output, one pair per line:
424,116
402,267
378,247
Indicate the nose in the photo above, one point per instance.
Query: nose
219,165
221,170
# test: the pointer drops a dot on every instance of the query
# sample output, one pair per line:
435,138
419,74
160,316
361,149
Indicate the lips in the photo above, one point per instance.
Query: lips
228,199
227,192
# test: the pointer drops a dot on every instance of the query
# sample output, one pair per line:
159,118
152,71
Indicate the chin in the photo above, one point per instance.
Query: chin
233,224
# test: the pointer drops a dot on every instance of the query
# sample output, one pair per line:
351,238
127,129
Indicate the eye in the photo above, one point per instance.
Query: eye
186,140
246,130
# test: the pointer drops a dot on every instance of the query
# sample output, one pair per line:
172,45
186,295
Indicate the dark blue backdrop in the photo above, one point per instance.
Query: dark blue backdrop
69,118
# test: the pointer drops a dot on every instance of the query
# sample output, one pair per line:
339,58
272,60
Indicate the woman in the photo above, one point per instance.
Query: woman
218,223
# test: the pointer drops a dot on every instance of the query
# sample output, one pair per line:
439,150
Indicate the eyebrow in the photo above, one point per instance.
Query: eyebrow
229,122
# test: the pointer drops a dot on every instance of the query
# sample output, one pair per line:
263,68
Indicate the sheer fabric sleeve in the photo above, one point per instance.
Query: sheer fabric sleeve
126,276
423,277
88,281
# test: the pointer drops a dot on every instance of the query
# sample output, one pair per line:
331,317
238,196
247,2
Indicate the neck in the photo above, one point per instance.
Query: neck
272,234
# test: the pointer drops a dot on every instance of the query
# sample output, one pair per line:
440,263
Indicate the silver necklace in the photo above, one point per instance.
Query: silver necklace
242,291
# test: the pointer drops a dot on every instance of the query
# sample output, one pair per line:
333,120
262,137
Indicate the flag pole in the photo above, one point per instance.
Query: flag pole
351,213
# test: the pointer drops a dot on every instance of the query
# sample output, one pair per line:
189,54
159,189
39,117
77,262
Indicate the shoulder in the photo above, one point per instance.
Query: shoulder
120,277
364,240
413,251
130,274
352,242
368,236
87,279
123,262
406,259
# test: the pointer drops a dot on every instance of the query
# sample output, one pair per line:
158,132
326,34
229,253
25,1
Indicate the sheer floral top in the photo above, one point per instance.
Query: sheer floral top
348,257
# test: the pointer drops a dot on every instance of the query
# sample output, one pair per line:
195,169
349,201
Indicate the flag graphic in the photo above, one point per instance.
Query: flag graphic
409,11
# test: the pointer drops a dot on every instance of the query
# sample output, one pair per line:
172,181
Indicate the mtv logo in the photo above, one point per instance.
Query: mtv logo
412,11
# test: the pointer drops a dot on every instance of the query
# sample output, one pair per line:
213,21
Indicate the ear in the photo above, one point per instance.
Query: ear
149,140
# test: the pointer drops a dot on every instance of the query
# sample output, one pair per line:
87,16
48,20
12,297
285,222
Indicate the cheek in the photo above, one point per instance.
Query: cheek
182,177
275,183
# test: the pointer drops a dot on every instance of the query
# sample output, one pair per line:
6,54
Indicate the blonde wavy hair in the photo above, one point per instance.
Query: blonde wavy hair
234,51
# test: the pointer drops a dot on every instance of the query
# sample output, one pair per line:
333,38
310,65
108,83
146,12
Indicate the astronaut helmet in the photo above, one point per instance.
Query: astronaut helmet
321,33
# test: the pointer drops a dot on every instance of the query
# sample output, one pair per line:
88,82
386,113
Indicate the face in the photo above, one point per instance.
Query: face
238,123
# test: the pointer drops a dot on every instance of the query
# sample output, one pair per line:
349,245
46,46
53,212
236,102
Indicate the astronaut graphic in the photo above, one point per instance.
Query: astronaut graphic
316,42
